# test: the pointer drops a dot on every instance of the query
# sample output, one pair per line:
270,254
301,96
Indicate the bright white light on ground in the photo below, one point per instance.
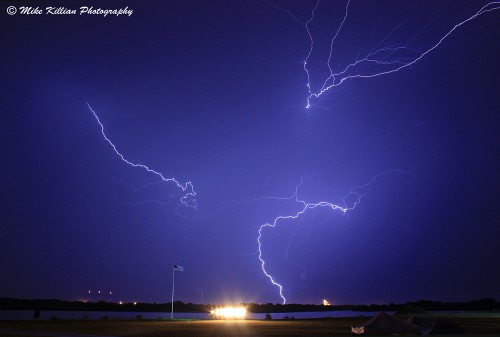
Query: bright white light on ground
229,313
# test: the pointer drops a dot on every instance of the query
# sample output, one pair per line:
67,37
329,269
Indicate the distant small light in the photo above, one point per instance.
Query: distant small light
135,303
326,303
120,303
99,292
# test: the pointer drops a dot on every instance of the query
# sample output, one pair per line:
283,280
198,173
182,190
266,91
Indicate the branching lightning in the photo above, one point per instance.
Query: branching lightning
350,201
380,60
188,197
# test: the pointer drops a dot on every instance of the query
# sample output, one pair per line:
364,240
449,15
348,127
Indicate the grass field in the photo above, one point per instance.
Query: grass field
469,326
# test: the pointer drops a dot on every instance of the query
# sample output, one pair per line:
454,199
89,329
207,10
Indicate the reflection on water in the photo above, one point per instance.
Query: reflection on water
47,315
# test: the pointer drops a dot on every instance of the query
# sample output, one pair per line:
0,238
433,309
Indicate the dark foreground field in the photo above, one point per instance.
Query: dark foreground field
244,328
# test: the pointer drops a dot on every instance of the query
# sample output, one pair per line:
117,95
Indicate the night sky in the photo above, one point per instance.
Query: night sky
214,93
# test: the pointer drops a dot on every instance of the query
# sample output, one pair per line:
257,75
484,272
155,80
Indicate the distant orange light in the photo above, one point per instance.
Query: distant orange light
326,303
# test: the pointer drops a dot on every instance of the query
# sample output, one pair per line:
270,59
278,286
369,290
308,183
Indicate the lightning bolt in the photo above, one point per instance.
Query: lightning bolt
350,201
378,61
188,197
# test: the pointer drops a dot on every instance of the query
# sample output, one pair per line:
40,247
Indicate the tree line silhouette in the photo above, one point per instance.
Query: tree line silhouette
485,304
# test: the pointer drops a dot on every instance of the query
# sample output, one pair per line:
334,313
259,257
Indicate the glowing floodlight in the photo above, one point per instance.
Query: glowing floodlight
229,313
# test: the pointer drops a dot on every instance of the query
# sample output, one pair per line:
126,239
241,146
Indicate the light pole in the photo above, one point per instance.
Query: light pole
173,288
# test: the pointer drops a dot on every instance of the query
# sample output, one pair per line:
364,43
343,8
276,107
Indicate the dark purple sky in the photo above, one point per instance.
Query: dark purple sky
214,92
